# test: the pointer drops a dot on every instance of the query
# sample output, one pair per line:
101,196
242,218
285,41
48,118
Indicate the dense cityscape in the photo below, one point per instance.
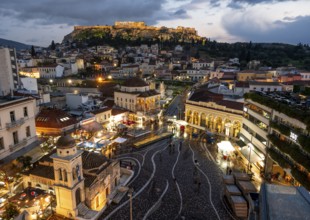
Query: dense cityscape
134,121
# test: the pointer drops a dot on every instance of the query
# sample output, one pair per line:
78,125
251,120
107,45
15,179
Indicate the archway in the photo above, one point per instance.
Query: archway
210,121
218,124
78,196
195,118
189,116
203,120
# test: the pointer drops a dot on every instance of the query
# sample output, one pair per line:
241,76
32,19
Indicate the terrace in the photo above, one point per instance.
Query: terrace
284,103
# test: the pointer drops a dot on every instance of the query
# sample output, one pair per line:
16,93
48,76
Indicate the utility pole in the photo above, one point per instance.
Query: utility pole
130,192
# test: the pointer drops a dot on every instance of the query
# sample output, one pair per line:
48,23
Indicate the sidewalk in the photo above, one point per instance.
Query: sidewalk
235,163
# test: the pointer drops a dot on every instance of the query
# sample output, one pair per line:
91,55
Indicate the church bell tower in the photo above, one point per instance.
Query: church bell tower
69,181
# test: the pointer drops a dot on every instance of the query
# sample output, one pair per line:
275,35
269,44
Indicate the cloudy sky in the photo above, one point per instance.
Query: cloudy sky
38,22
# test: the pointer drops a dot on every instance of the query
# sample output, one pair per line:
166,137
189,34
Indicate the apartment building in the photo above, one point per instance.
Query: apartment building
9,79
281,132
254,132
17,124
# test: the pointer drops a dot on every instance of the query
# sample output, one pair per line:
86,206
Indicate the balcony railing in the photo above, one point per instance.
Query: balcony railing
16,123
19,144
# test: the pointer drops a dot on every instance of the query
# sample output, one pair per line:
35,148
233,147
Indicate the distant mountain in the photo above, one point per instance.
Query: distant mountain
15,44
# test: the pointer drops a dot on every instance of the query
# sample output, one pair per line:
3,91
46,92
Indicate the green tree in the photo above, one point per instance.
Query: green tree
10,211
25,161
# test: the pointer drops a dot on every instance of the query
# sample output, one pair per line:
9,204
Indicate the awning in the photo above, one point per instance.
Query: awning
240,143
255,156
119,140
92,126
226,146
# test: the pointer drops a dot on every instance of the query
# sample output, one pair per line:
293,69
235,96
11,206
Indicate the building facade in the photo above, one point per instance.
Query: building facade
17,123
283,131
9,79
209,112
136,95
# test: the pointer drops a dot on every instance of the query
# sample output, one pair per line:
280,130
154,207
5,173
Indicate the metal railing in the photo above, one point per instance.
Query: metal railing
16,123
19,144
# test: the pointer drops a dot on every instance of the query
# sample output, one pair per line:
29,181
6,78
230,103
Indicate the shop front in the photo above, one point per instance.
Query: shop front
254,158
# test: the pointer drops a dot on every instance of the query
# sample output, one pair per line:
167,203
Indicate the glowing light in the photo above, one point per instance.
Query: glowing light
109,77
293,136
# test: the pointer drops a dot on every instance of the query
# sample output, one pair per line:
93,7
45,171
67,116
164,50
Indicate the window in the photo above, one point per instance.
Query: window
28,134
65,176
60,174
15,137
73,173
1,143
25,112
12,116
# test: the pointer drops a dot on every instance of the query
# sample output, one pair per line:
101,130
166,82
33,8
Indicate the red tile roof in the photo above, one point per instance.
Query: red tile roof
54,118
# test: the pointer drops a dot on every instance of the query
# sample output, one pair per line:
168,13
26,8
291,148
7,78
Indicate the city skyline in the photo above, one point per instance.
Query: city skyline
283,21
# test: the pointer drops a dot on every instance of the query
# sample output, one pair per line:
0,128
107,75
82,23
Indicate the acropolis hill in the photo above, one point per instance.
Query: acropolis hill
133,31
135,25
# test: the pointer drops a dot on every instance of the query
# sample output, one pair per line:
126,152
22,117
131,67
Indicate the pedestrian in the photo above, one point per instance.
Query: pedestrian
230,171
199,183
180,145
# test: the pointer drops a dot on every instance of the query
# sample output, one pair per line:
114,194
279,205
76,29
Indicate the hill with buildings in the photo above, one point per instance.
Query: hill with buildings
14,44
131,33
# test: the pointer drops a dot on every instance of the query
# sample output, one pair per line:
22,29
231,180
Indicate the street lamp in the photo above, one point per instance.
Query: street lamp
249,158
130,192
250,145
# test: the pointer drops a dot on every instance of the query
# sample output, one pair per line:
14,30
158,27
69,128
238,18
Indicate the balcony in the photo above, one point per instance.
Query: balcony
15,124
13,147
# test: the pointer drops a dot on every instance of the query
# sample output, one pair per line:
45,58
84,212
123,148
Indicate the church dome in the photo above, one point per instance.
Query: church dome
65,142
135,82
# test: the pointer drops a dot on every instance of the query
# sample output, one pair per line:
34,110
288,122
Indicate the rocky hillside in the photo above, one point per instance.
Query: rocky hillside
96,35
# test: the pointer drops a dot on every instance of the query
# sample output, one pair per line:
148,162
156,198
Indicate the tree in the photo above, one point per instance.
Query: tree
33,52
53,46
10,211
25,161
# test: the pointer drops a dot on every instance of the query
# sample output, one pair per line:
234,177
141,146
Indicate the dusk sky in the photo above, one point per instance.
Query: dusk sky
38,22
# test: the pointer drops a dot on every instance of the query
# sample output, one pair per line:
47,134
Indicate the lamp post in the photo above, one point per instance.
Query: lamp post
130,192
249,159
